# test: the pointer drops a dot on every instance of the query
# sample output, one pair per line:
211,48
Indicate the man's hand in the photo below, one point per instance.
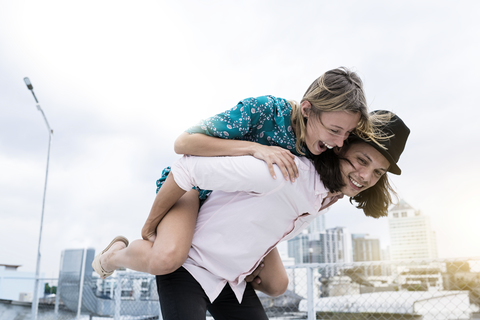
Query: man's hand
254,275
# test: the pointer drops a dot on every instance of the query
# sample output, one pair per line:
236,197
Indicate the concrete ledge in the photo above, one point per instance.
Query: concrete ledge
367,316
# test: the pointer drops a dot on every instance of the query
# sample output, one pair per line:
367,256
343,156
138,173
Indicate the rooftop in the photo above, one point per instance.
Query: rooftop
10,266
401,205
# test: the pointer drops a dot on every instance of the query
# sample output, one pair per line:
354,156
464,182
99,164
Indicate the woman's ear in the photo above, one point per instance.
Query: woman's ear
305,108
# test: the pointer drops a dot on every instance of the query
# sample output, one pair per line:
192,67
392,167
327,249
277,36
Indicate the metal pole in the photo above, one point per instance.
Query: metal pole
310,297
118,296
37,269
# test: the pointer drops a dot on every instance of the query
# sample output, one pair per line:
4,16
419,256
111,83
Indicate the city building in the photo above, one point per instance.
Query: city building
411,235
298,248
18,285
337,245
365,248
301,249
332,245
317,225
420,278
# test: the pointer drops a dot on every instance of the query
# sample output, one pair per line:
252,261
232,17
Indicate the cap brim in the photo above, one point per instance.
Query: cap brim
393,168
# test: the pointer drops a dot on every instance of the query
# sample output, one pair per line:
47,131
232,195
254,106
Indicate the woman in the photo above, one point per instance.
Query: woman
270,129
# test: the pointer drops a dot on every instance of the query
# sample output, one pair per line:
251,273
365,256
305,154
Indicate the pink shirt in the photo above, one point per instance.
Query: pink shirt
246,216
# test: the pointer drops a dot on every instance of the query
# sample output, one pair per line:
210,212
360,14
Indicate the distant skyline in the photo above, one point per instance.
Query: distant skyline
119,81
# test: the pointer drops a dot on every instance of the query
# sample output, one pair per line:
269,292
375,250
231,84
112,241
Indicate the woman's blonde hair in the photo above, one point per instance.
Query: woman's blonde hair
336,90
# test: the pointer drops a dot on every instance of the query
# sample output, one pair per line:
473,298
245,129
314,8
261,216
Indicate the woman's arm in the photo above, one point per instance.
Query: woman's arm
198,144
166,197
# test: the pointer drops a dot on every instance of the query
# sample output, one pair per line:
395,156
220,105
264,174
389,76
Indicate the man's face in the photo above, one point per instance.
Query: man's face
367,165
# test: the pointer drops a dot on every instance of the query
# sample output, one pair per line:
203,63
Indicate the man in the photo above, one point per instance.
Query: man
249,213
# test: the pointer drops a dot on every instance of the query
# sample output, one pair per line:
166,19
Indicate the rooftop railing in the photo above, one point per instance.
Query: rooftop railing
435,289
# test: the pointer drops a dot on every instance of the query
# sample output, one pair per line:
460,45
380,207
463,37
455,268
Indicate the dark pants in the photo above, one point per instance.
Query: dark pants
182,298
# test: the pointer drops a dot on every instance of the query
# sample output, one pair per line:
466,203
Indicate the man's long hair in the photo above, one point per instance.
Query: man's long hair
374,201
327,164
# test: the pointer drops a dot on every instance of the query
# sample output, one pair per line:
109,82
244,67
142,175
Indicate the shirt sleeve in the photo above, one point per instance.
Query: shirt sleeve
229,174
231,124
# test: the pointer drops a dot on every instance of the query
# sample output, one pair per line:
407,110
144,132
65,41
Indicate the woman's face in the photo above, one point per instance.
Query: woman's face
329,130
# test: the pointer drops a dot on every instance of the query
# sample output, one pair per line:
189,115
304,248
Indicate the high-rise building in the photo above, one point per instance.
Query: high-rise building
298,248
338,245
317,225
332,245
411,235
365,248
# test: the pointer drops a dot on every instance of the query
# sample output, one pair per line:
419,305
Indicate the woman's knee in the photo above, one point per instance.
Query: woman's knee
282,285
279,287
166,261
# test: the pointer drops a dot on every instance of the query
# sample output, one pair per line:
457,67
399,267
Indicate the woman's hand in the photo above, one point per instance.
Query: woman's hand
198,144
166,197
148,233
283,158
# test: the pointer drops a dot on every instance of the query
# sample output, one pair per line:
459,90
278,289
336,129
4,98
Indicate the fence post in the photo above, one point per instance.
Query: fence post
118,297
57,300
80,289
57,293
310,298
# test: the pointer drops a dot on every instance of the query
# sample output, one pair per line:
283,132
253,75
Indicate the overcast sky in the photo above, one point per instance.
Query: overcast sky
119,81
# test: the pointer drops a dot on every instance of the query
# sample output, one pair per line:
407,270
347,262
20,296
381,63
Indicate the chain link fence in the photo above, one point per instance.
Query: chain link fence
437,289
416,289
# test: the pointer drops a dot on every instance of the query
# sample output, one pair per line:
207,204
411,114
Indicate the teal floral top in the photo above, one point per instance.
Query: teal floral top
265,120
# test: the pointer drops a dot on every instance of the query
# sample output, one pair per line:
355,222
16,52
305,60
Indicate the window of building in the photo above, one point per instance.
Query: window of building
395,214
404,214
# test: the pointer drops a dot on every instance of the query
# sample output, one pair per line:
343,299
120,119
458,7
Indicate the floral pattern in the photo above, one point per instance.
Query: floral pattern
265,120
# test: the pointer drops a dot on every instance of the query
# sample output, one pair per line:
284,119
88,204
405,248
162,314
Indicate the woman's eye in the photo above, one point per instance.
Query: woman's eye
334,131
361,161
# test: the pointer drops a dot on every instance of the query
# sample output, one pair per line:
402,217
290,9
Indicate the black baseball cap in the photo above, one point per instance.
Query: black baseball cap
397,133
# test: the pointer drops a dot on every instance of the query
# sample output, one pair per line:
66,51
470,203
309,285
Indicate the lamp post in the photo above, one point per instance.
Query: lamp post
37,269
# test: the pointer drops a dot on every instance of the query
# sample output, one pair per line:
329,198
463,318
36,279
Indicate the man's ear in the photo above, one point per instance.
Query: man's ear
305,107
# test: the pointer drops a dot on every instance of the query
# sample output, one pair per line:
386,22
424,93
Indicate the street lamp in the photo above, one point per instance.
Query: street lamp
37,271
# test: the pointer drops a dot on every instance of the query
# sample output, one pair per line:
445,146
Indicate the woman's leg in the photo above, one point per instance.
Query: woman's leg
174,235
274,278
172,243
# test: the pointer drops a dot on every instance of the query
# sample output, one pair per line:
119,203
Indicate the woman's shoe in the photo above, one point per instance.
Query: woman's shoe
97,266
